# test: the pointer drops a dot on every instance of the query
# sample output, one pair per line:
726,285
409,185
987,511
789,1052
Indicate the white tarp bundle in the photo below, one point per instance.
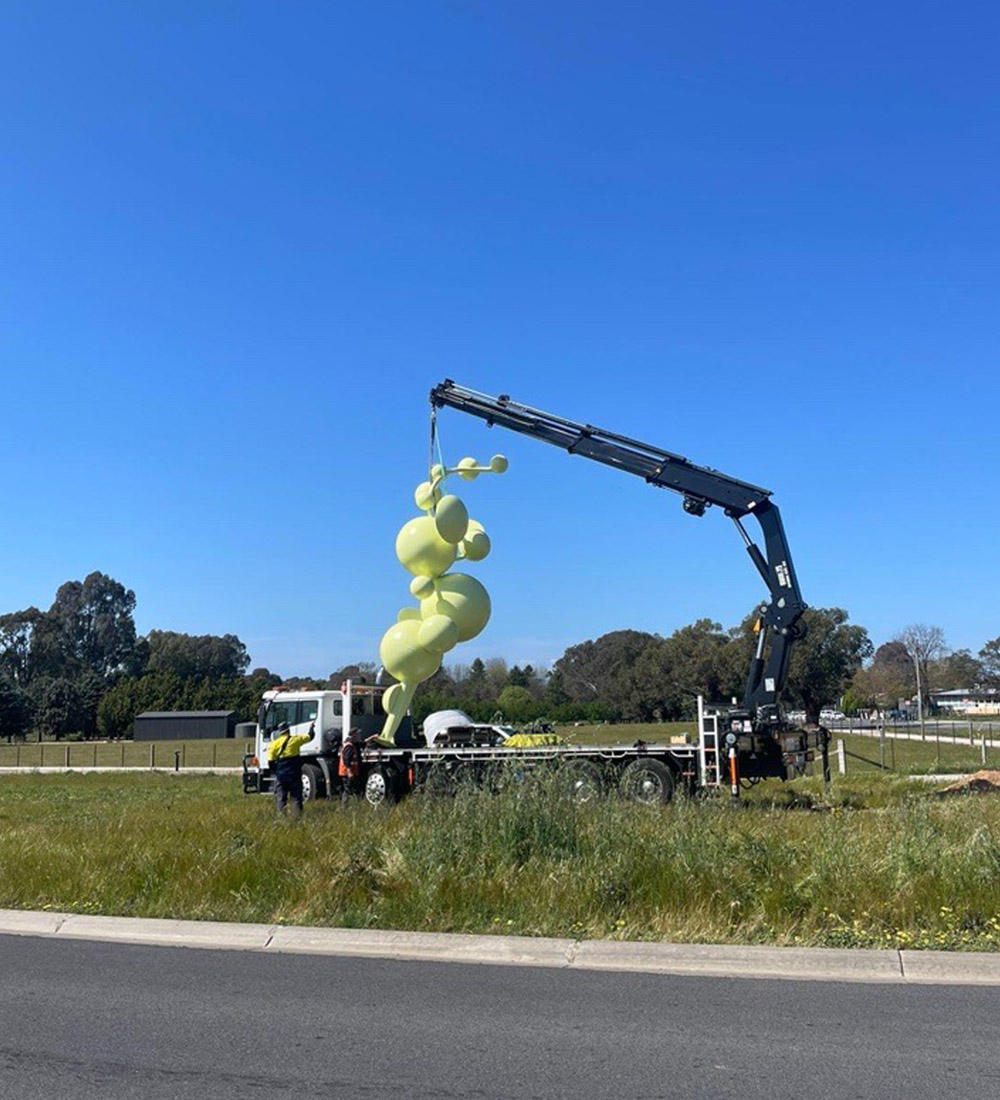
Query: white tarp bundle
441,721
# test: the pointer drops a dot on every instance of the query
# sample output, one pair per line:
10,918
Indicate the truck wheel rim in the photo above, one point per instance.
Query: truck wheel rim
375,788
647,787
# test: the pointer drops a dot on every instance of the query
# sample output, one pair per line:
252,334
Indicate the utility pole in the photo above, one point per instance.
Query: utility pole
920,697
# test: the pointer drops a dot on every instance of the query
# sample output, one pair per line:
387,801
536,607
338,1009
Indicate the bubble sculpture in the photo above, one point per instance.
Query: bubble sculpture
453,607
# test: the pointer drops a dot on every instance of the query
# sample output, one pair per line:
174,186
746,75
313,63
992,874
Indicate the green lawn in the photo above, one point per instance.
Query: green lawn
130,754
626,733
885,863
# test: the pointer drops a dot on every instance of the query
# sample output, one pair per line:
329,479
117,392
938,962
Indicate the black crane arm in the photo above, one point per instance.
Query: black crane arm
700,487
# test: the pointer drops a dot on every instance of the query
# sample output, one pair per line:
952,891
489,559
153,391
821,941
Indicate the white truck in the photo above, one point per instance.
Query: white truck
328,716
465,753
735,745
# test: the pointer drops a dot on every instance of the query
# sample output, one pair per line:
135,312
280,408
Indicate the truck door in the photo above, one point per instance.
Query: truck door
300,714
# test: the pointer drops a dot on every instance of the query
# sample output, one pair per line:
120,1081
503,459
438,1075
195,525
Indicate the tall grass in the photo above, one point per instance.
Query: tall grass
888,865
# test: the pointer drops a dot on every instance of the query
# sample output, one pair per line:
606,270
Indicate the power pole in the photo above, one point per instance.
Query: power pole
920,697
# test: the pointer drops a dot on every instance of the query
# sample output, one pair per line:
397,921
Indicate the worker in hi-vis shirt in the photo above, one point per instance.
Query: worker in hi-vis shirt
286,764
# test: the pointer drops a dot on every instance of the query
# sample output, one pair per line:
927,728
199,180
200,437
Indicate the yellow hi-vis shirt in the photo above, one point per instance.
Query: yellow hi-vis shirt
286,745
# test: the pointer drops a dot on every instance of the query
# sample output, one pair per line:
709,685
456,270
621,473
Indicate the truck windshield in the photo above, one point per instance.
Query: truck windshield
294,713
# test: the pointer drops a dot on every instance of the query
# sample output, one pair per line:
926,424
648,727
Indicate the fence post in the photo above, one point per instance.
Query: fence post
152,754
183,755
984,746
17,755
841,756
66,755
123,755
95,754
215,753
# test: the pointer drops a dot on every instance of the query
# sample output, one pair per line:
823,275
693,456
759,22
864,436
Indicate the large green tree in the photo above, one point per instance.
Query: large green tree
18,655
668,676
989,657
15,710
58,705
887,679
518,704
196,656
88,628
824,662
959,669
599,670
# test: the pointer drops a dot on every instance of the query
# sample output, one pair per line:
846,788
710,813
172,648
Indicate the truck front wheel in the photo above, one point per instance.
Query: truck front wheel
649,782
312,783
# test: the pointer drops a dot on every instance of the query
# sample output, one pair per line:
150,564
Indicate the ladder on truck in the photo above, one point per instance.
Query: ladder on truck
709,758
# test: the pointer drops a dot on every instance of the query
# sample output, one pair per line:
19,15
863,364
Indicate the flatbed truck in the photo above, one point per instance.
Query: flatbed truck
735,744
473,755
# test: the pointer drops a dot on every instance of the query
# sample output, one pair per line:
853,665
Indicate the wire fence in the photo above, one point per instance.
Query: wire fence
970,729
892,749
125,754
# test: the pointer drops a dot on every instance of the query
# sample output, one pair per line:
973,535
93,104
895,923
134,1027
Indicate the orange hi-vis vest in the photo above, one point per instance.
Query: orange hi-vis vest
350,760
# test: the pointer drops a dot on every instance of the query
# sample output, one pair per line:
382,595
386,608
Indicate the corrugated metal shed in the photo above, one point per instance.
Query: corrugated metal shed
184,725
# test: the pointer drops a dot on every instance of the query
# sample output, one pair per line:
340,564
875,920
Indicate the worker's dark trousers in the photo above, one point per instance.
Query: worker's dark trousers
288,782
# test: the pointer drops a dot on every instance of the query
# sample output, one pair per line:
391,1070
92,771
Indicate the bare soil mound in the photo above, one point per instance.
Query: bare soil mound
985,781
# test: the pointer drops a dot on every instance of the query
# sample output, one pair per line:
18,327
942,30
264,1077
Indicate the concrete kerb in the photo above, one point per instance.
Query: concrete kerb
721,960
425,946
166,933
707,960
951,967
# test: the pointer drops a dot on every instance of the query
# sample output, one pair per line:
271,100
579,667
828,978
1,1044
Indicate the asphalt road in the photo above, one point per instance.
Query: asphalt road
82,1021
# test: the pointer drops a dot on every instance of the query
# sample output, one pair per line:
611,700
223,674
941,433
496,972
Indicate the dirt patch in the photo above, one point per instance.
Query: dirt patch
986,781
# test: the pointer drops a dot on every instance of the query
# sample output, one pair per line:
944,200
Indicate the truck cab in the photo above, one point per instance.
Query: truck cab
327,716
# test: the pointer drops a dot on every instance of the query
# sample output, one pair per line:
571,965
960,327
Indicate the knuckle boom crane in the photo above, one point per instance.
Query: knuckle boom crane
758,741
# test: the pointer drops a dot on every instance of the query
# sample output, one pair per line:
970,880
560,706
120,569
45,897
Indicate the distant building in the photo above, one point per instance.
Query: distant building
968,700
184,725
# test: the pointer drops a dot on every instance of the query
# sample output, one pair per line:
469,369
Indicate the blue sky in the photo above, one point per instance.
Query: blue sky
241,241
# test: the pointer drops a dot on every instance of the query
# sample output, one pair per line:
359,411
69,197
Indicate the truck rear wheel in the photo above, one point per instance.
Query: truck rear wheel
380,787
582,781
648,782
312,783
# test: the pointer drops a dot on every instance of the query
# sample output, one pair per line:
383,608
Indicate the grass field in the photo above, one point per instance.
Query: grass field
887,865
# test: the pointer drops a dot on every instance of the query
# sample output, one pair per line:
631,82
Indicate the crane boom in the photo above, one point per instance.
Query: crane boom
700,486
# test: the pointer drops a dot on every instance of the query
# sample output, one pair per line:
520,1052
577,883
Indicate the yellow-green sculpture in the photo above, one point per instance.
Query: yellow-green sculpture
454,607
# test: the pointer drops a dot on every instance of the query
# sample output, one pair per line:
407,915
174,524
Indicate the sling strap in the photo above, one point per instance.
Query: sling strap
280,754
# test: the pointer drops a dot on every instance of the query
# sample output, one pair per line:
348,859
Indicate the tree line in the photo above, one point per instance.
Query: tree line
81,670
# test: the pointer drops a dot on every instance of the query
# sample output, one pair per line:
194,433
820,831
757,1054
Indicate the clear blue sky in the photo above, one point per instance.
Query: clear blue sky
242,240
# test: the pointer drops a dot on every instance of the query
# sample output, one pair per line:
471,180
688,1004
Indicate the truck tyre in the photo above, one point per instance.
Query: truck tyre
380,787
465,778
648,782
582,781
312,783
436,781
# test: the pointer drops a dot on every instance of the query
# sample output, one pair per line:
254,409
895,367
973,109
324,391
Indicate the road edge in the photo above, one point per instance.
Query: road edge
693,960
